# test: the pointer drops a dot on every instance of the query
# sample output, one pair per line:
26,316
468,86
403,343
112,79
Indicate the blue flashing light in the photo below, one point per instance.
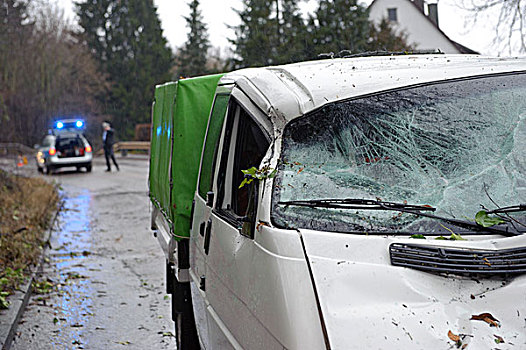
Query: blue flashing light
60,125
79,124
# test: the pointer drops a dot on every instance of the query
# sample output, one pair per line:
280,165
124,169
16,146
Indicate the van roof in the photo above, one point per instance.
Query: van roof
292,90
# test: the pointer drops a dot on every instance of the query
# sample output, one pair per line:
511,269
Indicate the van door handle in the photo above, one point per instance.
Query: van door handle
202,228
208,231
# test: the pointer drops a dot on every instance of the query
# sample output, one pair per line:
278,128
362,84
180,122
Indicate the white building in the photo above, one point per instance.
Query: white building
422,29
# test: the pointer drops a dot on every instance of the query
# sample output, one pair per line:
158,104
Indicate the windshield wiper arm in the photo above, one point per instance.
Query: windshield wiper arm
510,209
356,203
370,204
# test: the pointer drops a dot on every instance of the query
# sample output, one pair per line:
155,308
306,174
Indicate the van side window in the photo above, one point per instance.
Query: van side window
211,144
251,146
245,146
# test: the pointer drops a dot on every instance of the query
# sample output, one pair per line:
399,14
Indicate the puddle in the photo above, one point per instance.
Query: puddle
73,242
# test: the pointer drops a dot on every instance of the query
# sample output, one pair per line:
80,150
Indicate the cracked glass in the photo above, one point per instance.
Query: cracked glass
458,146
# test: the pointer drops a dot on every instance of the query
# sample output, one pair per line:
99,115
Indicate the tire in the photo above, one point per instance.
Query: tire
88,168
49,170
78,169
183,315
40,170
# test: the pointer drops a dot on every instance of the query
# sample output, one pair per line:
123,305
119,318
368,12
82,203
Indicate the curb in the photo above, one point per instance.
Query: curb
9,318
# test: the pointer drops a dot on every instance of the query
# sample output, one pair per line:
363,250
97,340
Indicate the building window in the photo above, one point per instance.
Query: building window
392,15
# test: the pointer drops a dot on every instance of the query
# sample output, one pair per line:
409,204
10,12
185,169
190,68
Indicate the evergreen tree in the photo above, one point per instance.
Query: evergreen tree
271,32
383,38
256,35
292,33
193,55
126,38
338,25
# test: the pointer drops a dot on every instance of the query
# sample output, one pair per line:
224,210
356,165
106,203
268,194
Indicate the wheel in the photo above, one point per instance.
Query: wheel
88,168
40,170
183,315
49,169
78,168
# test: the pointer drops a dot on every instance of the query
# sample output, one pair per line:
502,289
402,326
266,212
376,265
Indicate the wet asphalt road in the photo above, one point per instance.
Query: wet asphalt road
105,270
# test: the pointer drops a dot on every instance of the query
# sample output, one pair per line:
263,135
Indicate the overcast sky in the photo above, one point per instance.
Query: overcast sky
218,13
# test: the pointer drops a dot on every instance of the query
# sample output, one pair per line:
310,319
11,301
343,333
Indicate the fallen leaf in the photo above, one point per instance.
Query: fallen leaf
123,342
453,336
301,169
486,317
483,219
498,339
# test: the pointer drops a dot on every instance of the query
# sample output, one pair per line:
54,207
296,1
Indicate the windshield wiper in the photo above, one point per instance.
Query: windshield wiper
356,203
370,204
510,209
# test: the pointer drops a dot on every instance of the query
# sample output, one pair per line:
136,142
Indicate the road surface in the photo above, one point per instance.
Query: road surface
104,269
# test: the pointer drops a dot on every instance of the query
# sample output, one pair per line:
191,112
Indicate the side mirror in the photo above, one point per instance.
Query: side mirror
36,146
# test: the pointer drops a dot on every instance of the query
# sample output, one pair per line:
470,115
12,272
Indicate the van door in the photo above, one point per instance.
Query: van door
203,202
228,242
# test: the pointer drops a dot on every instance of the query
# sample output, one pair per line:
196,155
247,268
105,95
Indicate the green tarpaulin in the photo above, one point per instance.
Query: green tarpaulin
179,120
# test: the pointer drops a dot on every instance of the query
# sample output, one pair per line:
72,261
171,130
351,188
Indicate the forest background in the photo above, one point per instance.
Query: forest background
106,67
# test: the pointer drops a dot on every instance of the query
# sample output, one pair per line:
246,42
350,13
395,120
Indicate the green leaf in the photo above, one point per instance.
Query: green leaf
441,238
4,304
418,236
273,174
483,219
252,171
455,237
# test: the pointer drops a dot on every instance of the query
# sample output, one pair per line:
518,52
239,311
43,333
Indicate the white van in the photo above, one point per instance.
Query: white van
358,203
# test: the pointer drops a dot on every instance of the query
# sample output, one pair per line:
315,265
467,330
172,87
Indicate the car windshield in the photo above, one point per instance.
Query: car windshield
456,146
48,141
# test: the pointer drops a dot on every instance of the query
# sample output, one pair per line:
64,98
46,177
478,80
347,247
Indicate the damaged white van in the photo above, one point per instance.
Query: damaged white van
356,203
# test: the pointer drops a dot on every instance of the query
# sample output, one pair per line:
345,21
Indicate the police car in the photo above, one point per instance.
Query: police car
64,146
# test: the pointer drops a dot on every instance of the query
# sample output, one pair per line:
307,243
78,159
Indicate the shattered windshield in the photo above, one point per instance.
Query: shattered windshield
457,146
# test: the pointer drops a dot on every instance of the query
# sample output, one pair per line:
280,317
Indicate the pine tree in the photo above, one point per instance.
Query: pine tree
338,25
193,56
292,33
382,37
126,38
256,35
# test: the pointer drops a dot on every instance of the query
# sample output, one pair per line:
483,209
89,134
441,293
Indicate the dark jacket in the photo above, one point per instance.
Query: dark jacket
108,142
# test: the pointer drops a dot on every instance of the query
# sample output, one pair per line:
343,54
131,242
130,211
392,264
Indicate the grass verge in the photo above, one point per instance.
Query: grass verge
26,207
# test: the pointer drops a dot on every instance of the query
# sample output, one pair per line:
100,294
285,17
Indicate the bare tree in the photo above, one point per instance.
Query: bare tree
510,21
45,71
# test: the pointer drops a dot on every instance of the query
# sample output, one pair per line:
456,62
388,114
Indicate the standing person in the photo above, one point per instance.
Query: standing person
107,141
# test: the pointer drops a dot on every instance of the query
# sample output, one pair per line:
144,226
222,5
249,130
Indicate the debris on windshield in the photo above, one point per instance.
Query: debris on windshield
453,237
486,317
418,236
455,338
498,339
483,219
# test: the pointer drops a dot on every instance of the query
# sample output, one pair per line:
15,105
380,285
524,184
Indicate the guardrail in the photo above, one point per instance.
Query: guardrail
125,146
14,149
